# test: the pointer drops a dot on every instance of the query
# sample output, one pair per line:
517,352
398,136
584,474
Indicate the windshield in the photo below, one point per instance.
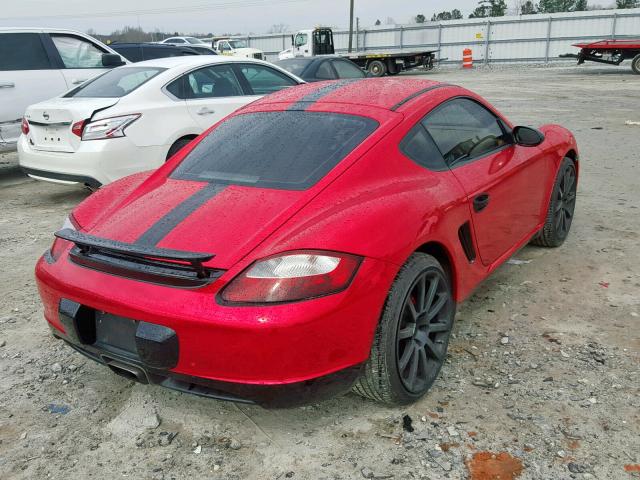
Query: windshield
294,65
238,44
115,83
289,150
195,41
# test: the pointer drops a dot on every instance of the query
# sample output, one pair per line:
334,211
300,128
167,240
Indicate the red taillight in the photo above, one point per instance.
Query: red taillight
292,276
57,248
25,126
77,128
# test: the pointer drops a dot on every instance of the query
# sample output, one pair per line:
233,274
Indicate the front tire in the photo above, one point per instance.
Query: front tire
561,207
410,343
635,64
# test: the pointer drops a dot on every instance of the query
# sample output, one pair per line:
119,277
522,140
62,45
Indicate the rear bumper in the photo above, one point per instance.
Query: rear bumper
96,162
136,366
237,349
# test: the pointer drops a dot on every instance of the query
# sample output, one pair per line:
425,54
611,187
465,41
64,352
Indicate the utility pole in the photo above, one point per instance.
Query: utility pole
350,25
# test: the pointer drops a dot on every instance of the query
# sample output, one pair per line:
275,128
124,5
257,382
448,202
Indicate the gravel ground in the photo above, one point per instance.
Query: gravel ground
542,379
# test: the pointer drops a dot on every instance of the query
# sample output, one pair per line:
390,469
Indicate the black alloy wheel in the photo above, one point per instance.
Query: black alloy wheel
423,333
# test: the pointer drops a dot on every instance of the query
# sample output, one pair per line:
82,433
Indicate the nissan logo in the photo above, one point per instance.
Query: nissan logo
45,115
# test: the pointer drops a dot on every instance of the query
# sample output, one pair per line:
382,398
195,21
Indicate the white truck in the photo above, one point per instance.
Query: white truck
319,41
37,64
236,48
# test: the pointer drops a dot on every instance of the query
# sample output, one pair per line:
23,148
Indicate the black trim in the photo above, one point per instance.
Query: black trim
418,93
466,240
92,182
174,268
171,220
310,98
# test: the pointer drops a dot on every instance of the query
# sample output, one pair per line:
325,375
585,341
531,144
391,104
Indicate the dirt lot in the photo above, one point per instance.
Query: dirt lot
542,379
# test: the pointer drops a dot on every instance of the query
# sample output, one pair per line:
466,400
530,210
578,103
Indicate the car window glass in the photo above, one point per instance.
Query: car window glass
294,65
265,80
419,147
325,72
301,39
347,70
22,51
77,52
463,129
176,88
315,143
216,81
176,40
224,46
115,83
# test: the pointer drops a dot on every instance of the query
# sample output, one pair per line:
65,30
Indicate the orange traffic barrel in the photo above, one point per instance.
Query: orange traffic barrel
467,58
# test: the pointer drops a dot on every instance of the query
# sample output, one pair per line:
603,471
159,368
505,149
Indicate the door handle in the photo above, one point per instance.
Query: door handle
7,85
480,202
205,111
78,81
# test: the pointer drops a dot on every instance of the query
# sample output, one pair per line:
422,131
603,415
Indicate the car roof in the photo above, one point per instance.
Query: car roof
384,93
40,29
193,60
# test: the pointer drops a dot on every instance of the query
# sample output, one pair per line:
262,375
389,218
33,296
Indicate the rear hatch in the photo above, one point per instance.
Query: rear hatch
50,122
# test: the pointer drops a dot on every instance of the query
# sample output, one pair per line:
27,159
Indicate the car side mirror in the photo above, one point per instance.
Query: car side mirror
527,136
111,60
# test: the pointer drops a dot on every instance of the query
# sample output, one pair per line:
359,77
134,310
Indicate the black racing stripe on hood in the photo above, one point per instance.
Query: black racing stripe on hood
310,98
175,216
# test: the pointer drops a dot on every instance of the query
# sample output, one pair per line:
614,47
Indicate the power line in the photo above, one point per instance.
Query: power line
160,11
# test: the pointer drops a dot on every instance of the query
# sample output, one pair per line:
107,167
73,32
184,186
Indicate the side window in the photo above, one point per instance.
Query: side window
325,72
22,51
216,81
301,39
177,40
265,80
464,129
225,47
419,147
347,70
77,52
176,88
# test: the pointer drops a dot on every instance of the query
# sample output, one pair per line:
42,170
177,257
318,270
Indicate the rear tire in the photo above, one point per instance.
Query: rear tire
177,145
377,68
561,207
635,64
410,343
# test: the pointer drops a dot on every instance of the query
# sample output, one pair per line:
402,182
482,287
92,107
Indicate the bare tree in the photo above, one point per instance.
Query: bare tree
279,28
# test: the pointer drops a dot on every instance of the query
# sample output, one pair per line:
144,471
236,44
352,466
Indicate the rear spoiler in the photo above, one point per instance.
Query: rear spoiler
101,248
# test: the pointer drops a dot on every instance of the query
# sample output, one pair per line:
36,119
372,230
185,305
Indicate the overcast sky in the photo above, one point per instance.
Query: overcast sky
217,16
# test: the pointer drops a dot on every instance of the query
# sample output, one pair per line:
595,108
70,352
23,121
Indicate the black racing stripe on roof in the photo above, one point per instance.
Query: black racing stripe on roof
417,94
310,98
175,216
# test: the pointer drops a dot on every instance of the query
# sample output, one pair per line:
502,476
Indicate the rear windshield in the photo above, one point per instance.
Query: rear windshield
294,66
115,83
288,150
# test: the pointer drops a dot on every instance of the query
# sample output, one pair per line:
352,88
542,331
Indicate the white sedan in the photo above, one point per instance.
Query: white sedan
133,118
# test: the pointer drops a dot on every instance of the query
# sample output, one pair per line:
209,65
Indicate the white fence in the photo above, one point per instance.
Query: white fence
526,38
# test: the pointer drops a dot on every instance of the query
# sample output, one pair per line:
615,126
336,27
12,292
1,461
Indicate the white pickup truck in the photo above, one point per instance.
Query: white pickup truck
236,48
37,64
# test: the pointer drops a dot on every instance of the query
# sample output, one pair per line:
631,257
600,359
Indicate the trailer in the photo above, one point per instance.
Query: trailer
319,41
610,52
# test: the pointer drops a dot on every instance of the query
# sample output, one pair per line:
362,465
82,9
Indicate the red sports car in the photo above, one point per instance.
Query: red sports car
315,241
